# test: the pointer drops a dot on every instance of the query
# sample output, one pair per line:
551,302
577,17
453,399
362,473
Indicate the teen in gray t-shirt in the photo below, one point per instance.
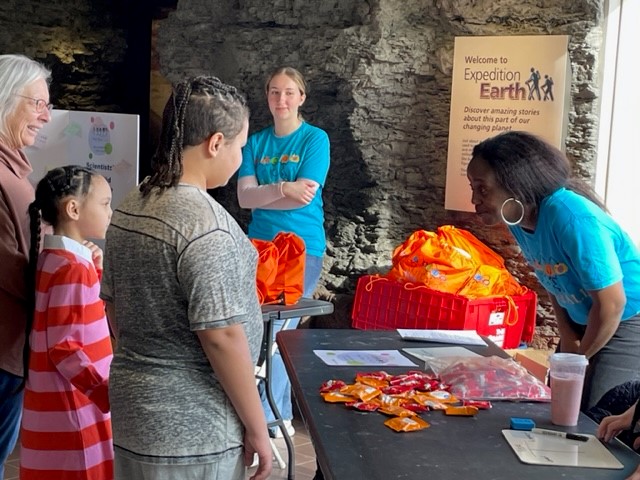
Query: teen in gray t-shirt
179,269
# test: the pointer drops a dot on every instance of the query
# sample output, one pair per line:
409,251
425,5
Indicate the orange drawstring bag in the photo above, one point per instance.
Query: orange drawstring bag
425,258
289,281
454,261
466,241
267,268
488,281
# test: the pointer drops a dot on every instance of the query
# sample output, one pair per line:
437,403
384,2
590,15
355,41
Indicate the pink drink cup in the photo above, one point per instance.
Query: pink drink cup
566,394
567,380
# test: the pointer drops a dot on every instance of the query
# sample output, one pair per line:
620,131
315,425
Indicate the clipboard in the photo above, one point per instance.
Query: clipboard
538,449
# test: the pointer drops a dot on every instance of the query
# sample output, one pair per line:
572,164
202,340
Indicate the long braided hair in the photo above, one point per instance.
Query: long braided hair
197,108
52,189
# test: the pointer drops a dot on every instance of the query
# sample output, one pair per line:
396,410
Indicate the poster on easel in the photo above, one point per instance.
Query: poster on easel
107,143
502,84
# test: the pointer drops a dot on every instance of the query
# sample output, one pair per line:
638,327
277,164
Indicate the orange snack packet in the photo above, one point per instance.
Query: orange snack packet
388,400
442,396
434,405
360,391
371,381
464,411
396,410
336,397
427,400
406,424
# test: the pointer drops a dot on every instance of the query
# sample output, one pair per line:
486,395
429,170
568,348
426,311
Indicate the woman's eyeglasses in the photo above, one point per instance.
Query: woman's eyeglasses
40,104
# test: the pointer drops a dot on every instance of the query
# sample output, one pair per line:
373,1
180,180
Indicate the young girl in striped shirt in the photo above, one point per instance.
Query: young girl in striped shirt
66,424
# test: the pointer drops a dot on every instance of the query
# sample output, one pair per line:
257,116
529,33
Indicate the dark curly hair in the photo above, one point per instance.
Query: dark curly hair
529,168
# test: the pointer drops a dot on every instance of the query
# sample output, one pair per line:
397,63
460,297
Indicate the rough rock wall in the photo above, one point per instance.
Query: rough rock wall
83,42
380,78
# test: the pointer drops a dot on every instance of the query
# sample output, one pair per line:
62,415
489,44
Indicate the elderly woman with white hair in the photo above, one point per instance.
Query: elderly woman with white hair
24,110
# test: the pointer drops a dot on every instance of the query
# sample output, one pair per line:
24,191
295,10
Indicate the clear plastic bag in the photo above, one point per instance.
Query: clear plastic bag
490,378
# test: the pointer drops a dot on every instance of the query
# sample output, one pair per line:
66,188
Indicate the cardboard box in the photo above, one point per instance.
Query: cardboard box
535,361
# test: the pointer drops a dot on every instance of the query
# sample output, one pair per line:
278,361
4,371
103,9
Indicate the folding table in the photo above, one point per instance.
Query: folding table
304,307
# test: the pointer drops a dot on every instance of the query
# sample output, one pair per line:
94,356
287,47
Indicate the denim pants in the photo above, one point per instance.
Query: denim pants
10,415
279,381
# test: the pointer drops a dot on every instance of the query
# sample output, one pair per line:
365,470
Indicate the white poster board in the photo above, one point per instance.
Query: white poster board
500,84
105,142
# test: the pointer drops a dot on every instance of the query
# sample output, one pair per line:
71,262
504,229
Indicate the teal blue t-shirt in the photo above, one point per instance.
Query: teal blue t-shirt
577,248
272,159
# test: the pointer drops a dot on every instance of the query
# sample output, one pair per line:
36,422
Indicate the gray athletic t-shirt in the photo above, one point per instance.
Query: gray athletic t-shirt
176,263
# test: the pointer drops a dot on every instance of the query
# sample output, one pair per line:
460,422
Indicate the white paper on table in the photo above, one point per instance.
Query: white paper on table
429,353
462,337
357,358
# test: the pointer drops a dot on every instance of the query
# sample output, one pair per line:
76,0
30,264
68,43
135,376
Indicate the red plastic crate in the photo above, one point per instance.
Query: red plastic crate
383,304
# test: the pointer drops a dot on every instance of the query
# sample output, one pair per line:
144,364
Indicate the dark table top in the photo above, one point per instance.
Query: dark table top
353,445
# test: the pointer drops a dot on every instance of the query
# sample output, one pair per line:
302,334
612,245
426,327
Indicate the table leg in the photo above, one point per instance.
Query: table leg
278,422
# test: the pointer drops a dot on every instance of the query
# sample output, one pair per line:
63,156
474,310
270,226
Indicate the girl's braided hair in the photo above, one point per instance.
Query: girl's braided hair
198,107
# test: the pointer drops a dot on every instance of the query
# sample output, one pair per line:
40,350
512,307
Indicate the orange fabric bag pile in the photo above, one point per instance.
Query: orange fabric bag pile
453,260
280,272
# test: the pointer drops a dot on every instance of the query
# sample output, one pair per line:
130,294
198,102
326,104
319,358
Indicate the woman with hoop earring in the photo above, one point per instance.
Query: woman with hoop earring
587,263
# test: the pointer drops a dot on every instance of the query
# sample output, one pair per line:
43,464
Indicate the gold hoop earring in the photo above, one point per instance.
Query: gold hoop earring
512,199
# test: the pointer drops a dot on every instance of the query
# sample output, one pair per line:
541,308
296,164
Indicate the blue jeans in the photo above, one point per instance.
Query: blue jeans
10,415
279,381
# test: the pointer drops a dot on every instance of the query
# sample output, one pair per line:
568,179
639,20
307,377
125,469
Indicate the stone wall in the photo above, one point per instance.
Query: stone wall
83,42
98,51
380,77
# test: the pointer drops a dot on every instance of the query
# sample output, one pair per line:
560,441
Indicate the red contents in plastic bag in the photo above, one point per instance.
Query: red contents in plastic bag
493,378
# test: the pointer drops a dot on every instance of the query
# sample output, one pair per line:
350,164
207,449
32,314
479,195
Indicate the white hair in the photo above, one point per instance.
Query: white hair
16,72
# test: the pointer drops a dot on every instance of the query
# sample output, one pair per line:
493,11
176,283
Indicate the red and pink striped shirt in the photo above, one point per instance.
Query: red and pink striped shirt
66,424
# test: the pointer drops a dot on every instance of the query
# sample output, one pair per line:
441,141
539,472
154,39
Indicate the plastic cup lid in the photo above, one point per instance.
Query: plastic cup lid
568,359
